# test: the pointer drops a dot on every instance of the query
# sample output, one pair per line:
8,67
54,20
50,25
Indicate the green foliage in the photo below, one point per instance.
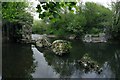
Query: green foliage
60,32
52,10
14,17
97,16
93,18
115,29
89,18
95,30
75,23
15,12
39,27
69,24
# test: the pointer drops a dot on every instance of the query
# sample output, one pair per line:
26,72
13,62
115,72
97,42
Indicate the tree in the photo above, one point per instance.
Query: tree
69,24
15,12
39,27
97,16
52,10
75,23
62,17
14,17
115,29
88,18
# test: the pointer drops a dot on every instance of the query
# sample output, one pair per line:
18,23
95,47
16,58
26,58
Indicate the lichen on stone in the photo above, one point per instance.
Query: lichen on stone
61,47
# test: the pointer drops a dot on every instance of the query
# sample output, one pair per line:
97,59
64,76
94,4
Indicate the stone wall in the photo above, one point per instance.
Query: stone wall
26,33
17,32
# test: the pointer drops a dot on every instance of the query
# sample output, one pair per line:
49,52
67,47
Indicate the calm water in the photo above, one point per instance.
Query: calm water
27,61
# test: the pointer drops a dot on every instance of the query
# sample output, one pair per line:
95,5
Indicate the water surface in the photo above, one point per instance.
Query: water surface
27,61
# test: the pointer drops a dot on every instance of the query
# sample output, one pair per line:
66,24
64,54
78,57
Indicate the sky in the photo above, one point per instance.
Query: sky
106,3
103,2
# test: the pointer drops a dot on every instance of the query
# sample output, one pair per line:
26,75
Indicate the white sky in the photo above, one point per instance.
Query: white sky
103,2
106,3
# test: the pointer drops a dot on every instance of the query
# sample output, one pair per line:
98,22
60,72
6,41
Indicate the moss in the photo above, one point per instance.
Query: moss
61,46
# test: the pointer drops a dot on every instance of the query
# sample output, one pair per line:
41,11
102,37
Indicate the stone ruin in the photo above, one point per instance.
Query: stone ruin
101,37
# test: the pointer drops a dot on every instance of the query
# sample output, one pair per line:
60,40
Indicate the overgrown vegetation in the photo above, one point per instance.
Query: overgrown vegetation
39,27
14,17
88,18
115,29
62,18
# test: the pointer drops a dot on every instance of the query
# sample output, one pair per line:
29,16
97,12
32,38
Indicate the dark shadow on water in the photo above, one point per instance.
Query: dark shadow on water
24,61
102,53
18,61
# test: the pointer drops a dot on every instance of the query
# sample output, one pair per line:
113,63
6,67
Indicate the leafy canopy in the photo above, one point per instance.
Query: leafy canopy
53,9
15,12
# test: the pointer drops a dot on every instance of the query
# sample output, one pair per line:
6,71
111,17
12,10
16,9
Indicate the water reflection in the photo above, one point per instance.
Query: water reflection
17,61
26,61
66,66
115,63
71,69
43,70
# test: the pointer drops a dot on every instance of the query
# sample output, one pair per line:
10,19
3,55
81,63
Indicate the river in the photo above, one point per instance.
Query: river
27,61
